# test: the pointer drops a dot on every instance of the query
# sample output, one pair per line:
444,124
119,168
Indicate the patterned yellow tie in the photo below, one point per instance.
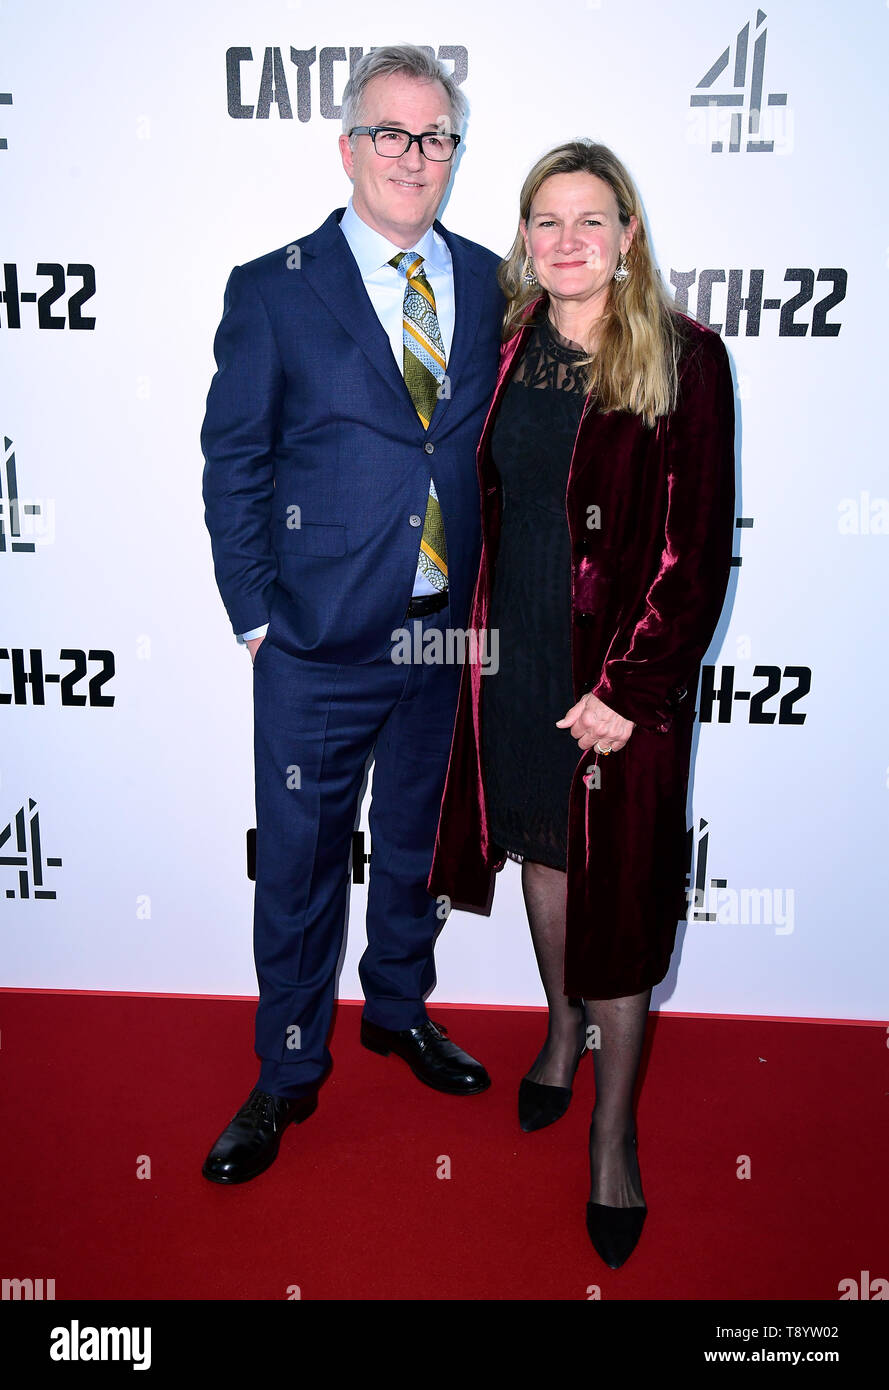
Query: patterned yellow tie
424,371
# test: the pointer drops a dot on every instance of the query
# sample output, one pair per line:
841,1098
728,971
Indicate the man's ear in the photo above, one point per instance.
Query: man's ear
347,154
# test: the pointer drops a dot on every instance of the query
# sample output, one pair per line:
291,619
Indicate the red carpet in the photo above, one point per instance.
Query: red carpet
353,1209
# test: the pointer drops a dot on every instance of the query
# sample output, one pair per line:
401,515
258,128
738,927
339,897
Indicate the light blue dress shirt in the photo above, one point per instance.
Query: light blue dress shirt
385,288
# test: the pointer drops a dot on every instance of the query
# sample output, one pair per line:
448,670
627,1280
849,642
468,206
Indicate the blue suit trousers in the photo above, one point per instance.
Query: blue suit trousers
316,725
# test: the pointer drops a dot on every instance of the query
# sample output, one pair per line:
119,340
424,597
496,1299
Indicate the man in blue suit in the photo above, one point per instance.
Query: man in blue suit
354,371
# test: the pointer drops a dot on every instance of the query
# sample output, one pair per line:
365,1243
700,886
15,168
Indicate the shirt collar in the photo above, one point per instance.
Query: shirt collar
372,250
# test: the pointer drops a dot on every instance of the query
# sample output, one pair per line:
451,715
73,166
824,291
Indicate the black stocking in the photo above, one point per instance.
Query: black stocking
544,891
617,1048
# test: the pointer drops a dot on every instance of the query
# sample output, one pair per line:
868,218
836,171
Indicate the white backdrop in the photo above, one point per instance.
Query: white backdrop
119,159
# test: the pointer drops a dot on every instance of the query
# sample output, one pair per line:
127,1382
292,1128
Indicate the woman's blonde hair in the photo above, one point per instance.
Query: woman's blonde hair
635,365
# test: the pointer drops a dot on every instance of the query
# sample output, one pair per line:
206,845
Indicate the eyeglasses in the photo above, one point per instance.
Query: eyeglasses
392,143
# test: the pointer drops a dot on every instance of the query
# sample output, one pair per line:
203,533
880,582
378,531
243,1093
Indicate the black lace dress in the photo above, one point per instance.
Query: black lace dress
528,763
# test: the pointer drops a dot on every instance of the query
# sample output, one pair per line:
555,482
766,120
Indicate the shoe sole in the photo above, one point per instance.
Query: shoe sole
528,1128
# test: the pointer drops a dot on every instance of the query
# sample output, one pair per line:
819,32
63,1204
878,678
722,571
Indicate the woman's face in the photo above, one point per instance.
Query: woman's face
575,237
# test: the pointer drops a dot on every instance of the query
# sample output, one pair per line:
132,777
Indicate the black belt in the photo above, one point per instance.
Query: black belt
426,603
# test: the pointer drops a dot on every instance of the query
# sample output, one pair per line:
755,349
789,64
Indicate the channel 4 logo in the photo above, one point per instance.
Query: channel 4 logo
729,99
21,849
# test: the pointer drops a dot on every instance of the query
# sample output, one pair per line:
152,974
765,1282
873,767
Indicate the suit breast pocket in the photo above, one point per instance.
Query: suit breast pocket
311,538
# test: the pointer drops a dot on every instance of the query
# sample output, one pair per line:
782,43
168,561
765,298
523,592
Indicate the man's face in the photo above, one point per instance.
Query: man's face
399,197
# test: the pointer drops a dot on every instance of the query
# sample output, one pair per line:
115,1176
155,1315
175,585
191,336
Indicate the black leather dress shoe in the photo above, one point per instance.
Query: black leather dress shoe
249,1144
430,1055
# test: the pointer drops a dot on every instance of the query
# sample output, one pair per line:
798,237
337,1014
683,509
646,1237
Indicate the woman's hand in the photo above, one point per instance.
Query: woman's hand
595,725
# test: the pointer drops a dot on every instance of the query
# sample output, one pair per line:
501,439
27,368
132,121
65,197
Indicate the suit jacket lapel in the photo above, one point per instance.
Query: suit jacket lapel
330,269
467,311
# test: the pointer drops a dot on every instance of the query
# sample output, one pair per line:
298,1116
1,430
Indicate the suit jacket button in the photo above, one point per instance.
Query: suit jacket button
430,448
416,521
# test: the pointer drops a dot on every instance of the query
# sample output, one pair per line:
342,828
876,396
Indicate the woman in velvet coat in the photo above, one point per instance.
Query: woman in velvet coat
649,507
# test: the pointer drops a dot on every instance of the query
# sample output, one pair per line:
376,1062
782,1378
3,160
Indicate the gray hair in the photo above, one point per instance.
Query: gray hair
419,63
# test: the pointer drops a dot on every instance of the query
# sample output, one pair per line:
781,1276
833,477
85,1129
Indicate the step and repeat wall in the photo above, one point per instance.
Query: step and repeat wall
145,151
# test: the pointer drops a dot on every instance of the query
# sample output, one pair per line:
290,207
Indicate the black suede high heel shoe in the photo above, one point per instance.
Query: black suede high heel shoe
614,1231
541,1105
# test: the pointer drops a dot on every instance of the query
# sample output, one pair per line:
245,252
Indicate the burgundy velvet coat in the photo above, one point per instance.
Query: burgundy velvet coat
648,586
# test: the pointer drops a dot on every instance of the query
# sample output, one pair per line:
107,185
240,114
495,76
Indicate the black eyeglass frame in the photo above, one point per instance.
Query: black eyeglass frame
374,130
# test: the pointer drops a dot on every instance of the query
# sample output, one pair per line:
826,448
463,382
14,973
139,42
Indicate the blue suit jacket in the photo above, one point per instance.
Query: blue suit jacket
308,410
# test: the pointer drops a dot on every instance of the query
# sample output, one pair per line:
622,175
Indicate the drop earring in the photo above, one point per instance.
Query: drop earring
528,276
621,273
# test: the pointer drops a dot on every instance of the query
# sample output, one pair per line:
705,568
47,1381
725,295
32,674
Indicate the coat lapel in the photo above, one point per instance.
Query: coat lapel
467,311
331,270
508,354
